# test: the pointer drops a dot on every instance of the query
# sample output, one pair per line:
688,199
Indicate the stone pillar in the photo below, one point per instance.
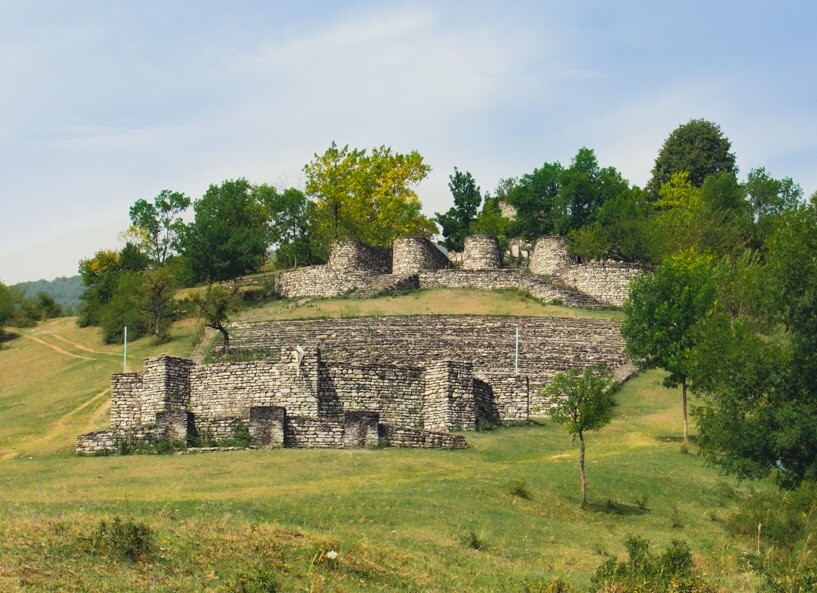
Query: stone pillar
360,430
267,426
448,399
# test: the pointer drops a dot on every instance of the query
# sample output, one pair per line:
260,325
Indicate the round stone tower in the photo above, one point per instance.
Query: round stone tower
551,256
411,255
481,253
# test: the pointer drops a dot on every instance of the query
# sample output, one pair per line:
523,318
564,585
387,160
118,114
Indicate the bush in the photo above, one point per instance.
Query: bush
126,539
643,572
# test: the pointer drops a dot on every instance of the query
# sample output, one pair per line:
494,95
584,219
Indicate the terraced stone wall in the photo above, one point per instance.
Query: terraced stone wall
547,345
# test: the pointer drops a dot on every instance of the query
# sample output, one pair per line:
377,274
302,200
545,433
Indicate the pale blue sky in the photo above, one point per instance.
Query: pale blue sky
103,103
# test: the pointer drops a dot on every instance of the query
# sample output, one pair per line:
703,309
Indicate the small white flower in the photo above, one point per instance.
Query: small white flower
331,554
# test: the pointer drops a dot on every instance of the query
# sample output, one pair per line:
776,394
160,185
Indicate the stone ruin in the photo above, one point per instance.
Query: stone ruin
301,401
358,270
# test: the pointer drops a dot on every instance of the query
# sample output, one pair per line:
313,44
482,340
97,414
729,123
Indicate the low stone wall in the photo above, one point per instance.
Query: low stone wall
481,252
320,281
606,281
313,433
422,439
103,442
411,255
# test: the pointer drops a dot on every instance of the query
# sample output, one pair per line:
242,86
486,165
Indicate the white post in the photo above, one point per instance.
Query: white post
125,354
516,353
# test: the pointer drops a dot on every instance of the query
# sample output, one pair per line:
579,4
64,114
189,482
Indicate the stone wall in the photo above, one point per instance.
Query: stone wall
297,400
481,252
354,255
606,281
411,255
547,345
320,281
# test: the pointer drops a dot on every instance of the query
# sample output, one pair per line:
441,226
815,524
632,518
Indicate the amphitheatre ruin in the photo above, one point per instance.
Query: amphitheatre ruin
402,381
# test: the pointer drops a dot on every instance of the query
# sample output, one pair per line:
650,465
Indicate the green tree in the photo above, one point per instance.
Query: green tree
697,148
6,307
769,199
491,222
215,307
367,196
581,401
158,223
660,316
228,236
156,301
456,221
291,218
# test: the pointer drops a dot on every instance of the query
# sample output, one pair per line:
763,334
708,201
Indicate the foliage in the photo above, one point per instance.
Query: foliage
368,197
6,306
643,572
291,218
156,301
571,201
65,291
456,222
158,224
228,236
215,307
660,316
128,539
756,366
697,148
122,310
769,198
581,401
491,222
781,529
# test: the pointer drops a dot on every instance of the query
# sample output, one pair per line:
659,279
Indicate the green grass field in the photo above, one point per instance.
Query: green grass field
499,516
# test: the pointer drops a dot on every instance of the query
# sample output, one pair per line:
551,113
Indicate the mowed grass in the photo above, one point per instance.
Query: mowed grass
400,520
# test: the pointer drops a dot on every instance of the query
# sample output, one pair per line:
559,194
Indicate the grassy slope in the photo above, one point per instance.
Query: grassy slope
397,517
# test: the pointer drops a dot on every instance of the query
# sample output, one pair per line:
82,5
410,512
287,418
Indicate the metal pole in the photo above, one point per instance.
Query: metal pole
516,353
125,355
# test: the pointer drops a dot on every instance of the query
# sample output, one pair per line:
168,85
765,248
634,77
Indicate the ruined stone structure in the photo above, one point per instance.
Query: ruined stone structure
300,400
361,271
411,255
352,265
605,281
547,345
481,252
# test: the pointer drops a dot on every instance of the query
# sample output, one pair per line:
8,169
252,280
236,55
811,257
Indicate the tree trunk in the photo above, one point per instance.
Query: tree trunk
684,405
583,478
225,344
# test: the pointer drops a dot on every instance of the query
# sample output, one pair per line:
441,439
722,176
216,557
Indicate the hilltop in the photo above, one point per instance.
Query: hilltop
502,515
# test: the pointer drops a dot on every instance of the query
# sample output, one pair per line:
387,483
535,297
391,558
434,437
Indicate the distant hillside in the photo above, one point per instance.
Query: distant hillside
66,291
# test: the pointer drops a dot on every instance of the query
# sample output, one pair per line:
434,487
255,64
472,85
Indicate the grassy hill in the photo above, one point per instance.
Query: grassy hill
502,515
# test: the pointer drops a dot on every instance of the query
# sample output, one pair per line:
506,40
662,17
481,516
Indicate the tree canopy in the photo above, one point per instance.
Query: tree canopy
157,223
228,236
697,148
367,196
456,222
661,315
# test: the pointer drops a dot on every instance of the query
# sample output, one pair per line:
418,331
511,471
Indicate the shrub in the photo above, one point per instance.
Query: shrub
519,489
127,539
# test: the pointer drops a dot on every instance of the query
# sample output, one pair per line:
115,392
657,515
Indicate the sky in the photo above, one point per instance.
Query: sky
103,103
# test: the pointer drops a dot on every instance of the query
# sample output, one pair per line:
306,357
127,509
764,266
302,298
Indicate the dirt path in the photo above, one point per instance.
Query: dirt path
57,348
58,429
79,346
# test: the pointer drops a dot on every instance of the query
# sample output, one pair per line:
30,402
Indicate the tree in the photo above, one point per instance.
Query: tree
158,223
228,236
368,197
6,306
215,307
581,401
157,299
769,199
660,316
291,218
456,221
697,148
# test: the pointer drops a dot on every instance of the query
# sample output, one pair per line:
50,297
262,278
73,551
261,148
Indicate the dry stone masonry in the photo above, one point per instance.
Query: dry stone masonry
299,400
361,271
